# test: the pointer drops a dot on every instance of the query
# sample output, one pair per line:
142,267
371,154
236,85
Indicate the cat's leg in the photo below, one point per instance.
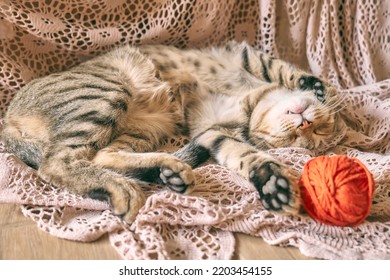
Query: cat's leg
273,70
64,167
277,190
126,155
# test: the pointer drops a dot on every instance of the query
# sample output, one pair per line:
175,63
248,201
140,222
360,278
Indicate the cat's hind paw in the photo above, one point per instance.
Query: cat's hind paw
277,191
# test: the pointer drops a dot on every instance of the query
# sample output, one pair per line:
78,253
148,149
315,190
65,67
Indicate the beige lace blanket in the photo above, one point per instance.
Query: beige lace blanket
347,43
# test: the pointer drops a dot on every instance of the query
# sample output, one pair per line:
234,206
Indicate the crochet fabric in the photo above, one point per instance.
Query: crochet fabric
346,42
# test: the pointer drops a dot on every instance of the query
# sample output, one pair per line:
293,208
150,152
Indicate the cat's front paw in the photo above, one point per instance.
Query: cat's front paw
314,84
275,189
177,175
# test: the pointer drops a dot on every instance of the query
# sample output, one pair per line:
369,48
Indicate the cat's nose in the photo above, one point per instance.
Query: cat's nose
296,110
305,124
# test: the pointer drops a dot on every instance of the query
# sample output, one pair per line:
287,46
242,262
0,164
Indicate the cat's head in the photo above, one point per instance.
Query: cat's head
285,118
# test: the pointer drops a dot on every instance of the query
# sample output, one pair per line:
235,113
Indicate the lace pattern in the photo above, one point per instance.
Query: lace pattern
342,41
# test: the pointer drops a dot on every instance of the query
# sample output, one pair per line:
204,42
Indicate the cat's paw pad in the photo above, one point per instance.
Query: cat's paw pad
315,84
177,175
273,187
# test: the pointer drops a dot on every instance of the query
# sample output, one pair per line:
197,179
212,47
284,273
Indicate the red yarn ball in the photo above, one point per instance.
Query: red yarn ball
337,190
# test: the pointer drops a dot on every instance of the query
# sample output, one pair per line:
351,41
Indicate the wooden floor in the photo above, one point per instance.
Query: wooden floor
21,239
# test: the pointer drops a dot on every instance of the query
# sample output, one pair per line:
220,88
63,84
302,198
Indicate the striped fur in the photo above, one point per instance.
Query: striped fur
95,128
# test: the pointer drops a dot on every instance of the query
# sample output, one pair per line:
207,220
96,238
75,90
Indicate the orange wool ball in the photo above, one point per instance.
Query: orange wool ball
337,190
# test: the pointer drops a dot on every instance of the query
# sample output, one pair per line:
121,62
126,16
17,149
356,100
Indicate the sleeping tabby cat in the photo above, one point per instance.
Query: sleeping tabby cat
95,128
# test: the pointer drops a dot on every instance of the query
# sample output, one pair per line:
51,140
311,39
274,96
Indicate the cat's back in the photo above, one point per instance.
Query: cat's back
128,70
221,68
90,104
95,79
